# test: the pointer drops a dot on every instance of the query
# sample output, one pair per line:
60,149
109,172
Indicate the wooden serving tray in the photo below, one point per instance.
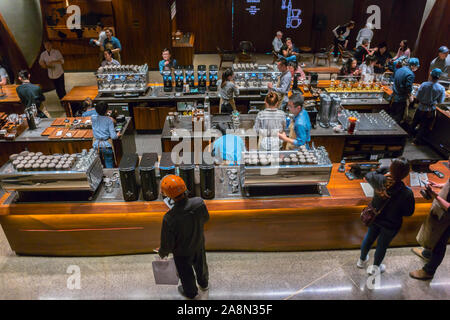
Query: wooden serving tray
72,132
60,122
80,133
48,131
54,133
89,134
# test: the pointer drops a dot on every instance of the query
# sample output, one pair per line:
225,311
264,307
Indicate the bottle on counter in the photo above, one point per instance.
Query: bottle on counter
206,104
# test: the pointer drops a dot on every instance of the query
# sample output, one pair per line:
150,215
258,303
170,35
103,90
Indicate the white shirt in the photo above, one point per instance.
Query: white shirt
55,71
277,44
113,62
364,33
367,72
101,38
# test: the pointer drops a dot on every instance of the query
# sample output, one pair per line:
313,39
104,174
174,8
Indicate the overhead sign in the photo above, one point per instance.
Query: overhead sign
293,20
253,9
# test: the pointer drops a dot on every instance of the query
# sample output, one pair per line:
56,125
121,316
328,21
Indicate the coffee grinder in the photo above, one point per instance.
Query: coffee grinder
201,75
213,74
148,177
190,76
167,79
207,181
166,165
179,78
128,177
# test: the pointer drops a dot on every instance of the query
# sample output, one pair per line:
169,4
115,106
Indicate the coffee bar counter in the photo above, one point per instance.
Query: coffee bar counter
33,140
150,109
359,146
106,225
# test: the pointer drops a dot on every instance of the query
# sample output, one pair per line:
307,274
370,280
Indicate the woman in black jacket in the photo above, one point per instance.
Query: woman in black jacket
399,202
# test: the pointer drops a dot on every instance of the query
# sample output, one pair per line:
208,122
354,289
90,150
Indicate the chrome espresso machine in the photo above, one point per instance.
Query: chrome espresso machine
254,77
301,167
30,172
122,81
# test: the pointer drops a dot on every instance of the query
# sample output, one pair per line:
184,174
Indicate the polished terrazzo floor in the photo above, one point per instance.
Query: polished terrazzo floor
233,275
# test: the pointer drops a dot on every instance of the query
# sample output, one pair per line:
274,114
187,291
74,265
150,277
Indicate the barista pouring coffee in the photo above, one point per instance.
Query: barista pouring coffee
299,127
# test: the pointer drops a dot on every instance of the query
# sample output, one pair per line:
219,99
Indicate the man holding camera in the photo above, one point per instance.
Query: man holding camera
437,240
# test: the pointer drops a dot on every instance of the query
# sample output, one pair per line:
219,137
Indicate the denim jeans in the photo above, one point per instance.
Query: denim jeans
108,156
438,253
384,237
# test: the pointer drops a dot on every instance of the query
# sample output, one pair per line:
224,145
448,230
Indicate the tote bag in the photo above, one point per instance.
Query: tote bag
165,271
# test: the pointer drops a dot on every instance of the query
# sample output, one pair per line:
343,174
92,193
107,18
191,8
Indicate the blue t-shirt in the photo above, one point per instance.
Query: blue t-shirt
229,147
429,94
302,128
172,64
115,42
403,82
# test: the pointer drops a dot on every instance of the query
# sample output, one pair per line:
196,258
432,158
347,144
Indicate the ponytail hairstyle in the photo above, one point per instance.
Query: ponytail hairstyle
227,73
272,99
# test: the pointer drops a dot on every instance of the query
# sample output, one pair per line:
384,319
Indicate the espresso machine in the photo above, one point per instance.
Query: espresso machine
201,75
167,79
128,176
190,76
213,74
148,177
179,78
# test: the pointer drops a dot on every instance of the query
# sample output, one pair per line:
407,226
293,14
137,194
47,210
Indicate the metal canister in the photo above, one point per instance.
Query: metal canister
148,176
335,105
324,115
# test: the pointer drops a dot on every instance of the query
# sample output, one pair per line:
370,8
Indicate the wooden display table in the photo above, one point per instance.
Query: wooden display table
10,102
33,141
270,224
77,95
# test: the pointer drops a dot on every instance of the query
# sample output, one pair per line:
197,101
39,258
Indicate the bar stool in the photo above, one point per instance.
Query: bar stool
306,53
325,55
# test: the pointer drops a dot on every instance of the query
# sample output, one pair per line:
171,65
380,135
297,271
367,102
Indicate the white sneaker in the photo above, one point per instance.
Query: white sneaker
373,269
362,263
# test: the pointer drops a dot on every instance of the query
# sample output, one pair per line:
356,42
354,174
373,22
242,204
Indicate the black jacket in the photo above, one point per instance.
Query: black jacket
401,204
360,54
182,228
30,93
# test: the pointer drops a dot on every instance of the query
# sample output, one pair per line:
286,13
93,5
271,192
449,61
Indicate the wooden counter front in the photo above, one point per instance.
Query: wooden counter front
276,224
